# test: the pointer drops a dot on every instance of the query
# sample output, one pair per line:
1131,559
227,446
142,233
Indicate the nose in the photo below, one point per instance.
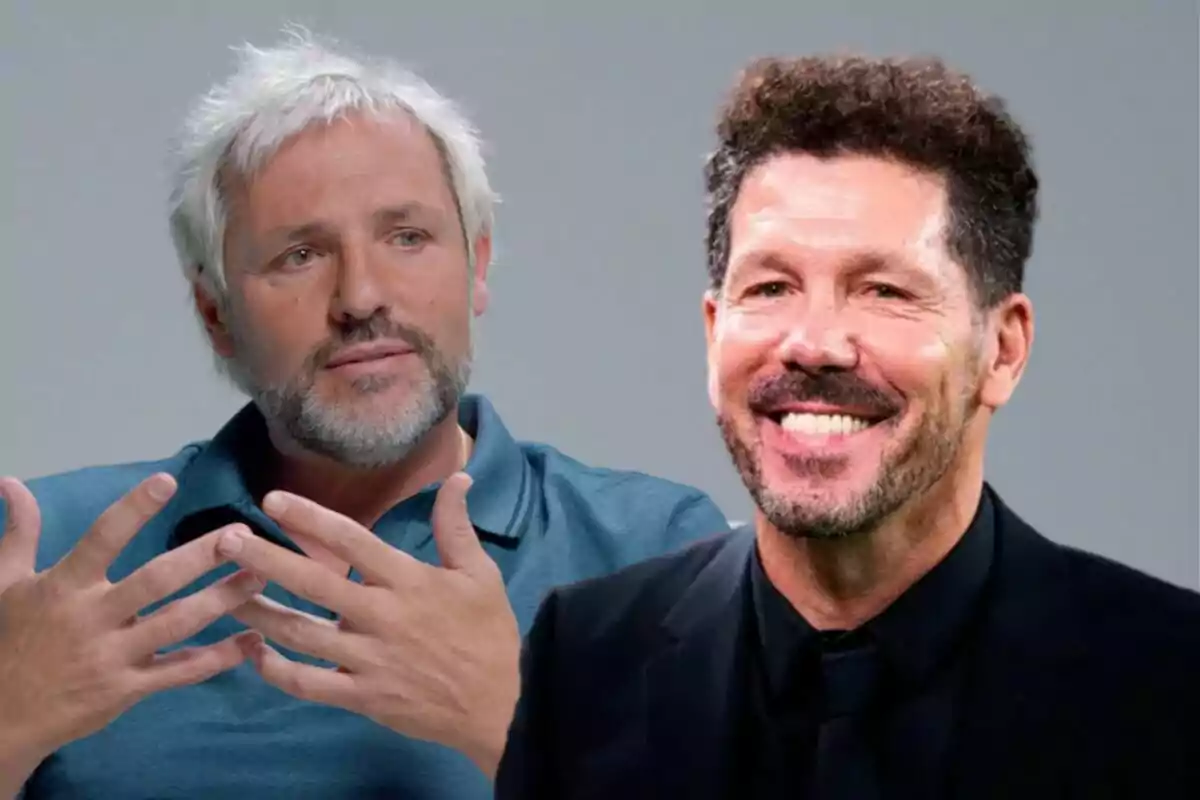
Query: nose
818,339
359,292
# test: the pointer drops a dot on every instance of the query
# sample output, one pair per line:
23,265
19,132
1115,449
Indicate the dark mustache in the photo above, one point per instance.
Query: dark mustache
834,388
370,330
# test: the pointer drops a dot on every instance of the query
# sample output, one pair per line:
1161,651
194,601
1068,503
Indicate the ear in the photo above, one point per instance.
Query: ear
709,307
1010,339
209,309
483,258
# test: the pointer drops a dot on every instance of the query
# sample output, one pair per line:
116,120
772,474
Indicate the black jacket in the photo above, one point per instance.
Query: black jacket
1085,680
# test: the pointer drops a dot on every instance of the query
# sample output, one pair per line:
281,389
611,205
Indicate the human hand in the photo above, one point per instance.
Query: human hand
430,652
74,654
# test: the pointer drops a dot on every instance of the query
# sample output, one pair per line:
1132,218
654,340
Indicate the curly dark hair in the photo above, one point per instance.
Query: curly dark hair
917,111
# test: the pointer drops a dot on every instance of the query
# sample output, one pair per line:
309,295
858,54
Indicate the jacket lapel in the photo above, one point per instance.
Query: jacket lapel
693,682
1021,663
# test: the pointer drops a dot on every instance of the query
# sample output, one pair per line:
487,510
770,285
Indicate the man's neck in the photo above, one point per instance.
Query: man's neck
839,584
365,495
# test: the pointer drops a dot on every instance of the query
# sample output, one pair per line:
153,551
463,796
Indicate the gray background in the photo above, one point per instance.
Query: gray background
598,117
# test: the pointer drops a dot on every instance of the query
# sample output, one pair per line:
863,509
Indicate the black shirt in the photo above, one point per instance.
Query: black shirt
918,641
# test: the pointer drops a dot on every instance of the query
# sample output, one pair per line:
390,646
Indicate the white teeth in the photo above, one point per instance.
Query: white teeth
823,424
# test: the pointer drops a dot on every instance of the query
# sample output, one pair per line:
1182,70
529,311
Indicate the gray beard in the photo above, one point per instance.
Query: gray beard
360,443
337,432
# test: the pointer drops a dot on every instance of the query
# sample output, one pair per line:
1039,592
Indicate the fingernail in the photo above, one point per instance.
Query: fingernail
230,543
254,584
160,487
274,503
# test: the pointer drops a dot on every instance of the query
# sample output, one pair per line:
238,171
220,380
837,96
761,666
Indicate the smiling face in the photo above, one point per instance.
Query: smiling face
849,366
350,289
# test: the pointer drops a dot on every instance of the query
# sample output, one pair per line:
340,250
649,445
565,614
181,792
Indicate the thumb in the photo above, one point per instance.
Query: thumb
22,526
457,543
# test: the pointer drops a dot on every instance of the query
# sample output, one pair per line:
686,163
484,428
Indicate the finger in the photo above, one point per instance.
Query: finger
298,574
374,559
90,559
22,528
306,682
166,574
183,618
303,633
458,544
192,665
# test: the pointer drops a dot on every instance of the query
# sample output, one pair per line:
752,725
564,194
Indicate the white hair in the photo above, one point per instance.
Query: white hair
274,94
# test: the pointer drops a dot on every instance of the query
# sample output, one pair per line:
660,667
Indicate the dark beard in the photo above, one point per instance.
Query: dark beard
916,467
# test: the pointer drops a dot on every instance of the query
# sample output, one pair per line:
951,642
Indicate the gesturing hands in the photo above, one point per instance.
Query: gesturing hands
430,652
74,654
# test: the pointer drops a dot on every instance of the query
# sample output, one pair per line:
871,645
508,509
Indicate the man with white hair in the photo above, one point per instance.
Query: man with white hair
334,218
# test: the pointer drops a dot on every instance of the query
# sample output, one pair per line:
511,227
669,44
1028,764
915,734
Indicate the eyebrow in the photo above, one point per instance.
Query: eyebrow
391,215
404,212
860,264
295,232
868,262
873,262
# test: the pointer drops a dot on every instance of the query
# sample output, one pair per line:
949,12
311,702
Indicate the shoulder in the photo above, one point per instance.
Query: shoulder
624,499
71,501
577,477
1116,652
1149,626
631,602
1119,598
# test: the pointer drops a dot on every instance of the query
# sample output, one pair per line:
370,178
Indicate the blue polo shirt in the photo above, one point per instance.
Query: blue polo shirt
545,518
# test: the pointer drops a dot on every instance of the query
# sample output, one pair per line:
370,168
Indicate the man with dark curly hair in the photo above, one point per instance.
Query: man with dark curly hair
886,626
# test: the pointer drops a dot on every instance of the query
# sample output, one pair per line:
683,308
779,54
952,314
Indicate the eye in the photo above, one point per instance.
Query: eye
409,237
298,257
767,289
886,291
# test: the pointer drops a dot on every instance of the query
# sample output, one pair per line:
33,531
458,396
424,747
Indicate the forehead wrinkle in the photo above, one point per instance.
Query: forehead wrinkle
847,203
